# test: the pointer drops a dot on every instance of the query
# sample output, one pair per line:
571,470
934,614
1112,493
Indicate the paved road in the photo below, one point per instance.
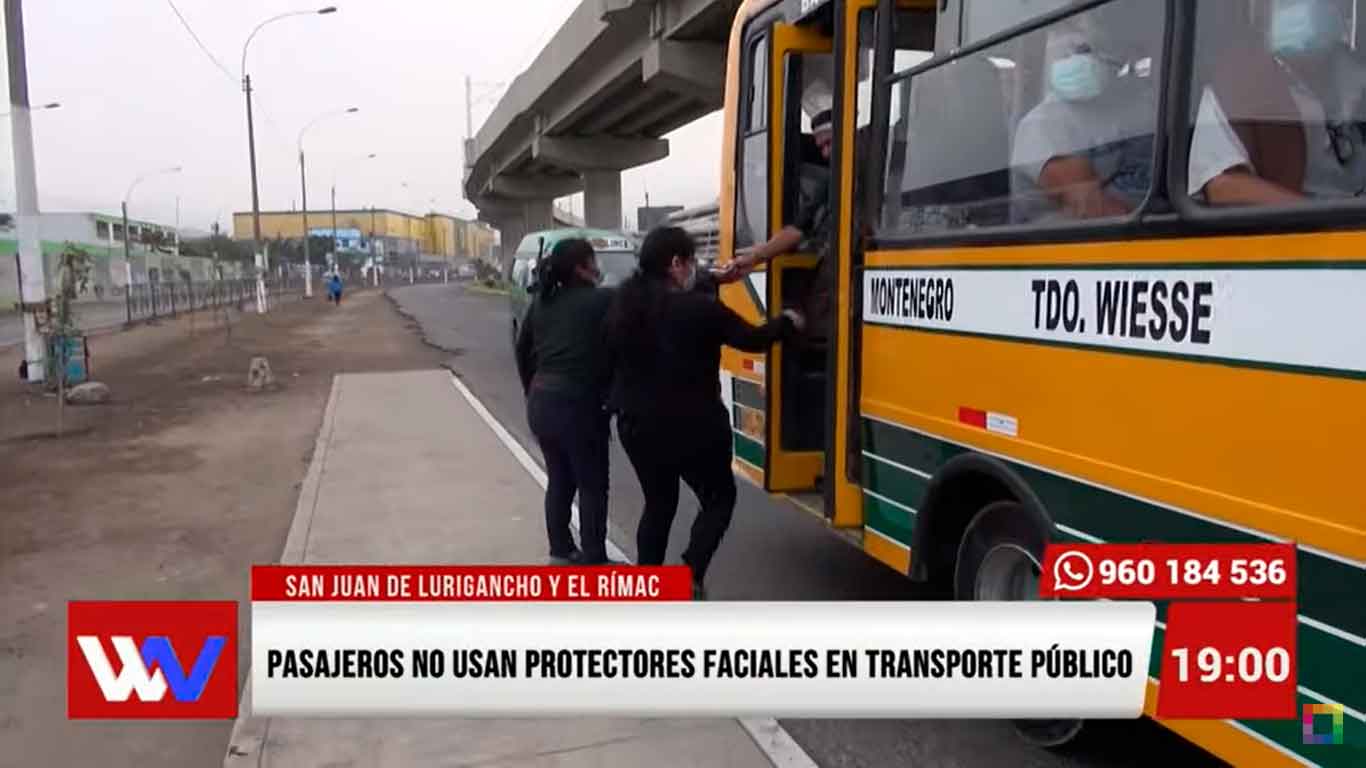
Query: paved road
90,317
773,551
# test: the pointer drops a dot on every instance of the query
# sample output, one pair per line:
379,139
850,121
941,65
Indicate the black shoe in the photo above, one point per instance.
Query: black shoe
572,557
699,592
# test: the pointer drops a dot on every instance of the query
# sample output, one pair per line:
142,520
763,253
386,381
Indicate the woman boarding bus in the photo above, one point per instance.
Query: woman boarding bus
564,373
666,339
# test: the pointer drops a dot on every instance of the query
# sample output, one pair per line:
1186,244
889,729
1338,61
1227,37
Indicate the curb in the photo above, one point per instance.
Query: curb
249,734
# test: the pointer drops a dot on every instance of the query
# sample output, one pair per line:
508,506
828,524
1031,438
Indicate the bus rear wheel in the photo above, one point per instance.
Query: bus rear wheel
999,558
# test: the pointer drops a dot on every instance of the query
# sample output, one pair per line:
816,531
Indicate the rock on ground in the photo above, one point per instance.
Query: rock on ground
88,393
259,375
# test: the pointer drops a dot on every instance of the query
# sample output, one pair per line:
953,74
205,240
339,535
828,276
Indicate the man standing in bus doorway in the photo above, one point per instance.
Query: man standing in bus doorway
811,225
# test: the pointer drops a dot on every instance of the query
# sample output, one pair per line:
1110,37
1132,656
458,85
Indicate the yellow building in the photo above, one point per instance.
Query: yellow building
395,234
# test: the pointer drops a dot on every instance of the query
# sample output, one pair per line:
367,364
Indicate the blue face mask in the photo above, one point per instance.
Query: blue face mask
1308,26
1078,77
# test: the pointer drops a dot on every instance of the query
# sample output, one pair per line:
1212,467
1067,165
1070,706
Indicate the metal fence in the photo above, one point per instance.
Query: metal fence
145,301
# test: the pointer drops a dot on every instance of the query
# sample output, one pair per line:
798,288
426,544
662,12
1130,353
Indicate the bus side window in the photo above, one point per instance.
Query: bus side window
1057,123
751,188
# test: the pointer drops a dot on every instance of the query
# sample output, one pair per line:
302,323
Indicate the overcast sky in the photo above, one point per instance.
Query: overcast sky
138,95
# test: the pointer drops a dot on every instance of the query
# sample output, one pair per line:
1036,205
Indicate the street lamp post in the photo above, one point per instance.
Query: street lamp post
127,237
369,156
251,149
303,184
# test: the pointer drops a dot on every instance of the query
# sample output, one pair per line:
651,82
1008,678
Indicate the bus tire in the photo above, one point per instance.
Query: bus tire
999,558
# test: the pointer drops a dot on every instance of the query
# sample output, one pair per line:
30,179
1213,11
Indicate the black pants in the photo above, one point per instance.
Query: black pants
696,450
573,433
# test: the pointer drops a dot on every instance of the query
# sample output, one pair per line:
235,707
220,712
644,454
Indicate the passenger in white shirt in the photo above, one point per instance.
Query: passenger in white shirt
1327,85
1088,146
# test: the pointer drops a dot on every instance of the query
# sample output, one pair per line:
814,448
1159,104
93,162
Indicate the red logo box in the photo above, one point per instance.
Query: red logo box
151,660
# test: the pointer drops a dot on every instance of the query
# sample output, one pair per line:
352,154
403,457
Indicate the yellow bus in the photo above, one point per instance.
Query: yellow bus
1100,276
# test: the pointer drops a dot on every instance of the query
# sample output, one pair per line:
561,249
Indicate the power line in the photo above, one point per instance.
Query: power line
279,134
200,43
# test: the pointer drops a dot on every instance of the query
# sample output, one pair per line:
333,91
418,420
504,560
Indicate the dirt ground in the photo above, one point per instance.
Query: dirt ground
170,491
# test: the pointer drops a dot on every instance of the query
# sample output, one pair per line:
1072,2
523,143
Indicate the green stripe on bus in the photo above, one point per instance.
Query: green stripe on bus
888,519
749,451
1329,589
894,483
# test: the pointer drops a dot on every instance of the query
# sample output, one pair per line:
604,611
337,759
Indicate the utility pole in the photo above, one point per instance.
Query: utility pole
251,146
308,262
32,269
255,201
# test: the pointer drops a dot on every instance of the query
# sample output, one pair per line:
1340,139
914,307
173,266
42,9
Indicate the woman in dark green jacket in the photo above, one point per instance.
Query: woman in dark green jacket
562,361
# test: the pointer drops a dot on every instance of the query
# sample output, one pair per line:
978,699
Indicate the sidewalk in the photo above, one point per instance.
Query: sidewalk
407,471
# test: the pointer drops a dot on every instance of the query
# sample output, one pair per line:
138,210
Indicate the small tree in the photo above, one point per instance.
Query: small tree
73,279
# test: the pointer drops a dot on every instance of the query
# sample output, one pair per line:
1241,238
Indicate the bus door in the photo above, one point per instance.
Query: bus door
802,84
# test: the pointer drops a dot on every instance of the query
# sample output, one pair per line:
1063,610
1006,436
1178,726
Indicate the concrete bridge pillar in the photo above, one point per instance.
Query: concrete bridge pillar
538,214
516,219
602,199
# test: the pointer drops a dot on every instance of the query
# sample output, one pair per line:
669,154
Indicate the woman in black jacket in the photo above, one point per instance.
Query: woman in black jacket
666,337
564,370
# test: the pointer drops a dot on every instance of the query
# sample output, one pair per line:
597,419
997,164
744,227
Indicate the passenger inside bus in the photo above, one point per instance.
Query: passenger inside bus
1088,145
1313,95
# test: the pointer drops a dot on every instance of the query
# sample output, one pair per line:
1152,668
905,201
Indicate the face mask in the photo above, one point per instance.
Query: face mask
1302,27
690,281
1078,77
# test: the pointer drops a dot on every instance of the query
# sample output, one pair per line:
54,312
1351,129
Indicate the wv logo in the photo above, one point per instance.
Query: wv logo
150,670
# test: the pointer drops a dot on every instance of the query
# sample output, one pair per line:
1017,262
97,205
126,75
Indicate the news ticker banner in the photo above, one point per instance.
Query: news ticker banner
366,657
355,640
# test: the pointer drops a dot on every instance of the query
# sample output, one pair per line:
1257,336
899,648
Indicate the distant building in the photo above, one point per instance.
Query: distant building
649,217
153,250
392,235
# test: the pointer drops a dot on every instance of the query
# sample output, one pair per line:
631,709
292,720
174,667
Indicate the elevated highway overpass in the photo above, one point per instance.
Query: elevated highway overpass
615,78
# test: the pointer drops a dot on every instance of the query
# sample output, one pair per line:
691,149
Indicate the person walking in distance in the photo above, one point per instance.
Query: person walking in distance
334,288
666,338
564,372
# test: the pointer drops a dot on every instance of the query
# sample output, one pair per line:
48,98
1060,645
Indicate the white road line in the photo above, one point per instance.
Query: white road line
769,736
